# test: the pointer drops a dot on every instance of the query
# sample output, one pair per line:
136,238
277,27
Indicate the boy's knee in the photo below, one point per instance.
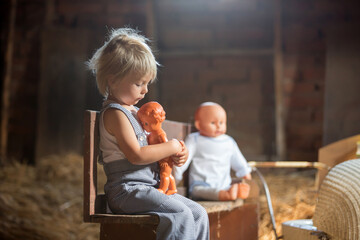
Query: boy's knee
187,211
201,209
204,214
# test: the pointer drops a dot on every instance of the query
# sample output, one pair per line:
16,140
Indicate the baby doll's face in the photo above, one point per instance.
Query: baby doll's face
151,116
150,124
211,121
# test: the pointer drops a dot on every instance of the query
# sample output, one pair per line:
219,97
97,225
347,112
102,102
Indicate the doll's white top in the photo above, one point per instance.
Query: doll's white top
212,158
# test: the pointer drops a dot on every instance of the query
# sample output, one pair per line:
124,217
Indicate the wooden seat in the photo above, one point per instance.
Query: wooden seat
228,220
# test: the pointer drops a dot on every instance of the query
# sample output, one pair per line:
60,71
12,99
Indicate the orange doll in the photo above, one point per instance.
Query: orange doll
151,116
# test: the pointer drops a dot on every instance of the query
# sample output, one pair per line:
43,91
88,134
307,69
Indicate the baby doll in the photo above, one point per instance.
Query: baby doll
213,154
151,116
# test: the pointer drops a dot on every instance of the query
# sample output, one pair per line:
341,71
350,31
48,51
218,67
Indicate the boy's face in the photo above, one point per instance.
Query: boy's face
131,89
211,121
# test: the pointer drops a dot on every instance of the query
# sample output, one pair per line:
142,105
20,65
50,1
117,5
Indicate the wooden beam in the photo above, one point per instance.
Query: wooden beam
278,77
150,20
151,33
6,83
218,52
50,13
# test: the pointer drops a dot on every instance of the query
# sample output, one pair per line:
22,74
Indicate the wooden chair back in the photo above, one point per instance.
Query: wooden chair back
90,163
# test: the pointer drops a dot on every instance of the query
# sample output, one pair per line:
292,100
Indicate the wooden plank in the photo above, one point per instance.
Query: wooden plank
219,52
6,84
336,153
240,223
150,20
278,77
141,219
90,164
176,129
127,231
342,83
151,33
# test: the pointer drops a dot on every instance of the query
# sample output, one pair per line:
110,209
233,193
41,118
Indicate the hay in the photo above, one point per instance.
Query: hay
293,196
45,202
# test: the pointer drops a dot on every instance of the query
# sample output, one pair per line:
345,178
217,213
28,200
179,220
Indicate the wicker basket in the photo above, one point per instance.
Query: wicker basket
337,212
338,209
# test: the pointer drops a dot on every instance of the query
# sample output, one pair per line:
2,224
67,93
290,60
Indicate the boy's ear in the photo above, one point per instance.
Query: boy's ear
110,80
197,124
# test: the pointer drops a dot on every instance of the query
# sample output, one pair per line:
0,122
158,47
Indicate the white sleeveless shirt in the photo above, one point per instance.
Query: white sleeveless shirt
108,144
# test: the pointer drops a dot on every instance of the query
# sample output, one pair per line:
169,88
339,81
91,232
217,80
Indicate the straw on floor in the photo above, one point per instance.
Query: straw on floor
45,202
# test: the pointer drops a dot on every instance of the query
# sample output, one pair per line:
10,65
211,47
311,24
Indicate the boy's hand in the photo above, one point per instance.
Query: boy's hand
181,157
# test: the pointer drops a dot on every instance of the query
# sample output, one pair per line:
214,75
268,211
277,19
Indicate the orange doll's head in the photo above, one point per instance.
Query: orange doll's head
151,116
210,119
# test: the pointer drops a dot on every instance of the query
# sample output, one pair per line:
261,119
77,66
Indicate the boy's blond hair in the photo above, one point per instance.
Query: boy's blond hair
125,52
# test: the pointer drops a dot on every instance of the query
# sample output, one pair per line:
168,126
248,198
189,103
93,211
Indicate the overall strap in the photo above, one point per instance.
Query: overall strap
134,122
140,134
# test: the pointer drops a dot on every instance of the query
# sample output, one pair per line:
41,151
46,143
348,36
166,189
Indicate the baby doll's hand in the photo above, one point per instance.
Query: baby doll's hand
181,157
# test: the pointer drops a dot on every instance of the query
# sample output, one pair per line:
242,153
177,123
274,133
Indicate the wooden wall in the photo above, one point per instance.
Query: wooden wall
342,95
61,96
222,52
211,50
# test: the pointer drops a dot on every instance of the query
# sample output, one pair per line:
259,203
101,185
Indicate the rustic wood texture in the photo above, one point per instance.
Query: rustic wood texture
336,153
240,223
127,231
278,83
90,163
61,98
342,92
6,90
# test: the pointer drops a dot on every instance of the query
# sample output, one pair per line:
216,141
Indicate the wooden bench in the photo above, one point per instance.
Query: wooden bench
228,220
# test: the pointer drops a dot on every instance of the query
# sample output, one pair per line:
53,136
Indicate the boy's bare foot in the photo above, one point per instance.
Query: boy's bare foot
243,190
229,195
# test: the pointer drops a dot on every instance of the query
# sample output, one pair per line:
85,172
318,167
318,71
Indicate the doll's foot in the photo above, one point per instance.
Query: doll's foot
171,192
243,190
229,195
160,190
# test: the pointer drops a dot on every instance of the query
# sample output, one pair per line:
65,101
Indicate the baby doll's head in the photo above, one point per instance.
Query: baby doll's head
126,51
151,116
210,119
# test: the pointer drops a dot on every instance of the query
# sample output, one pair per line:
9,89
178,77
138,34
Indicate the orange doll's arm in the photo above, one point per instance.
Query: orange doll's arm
162,137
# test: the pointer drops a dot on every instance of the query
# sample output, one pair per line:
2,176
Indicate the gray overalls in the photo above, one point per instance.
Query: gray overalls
132,189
